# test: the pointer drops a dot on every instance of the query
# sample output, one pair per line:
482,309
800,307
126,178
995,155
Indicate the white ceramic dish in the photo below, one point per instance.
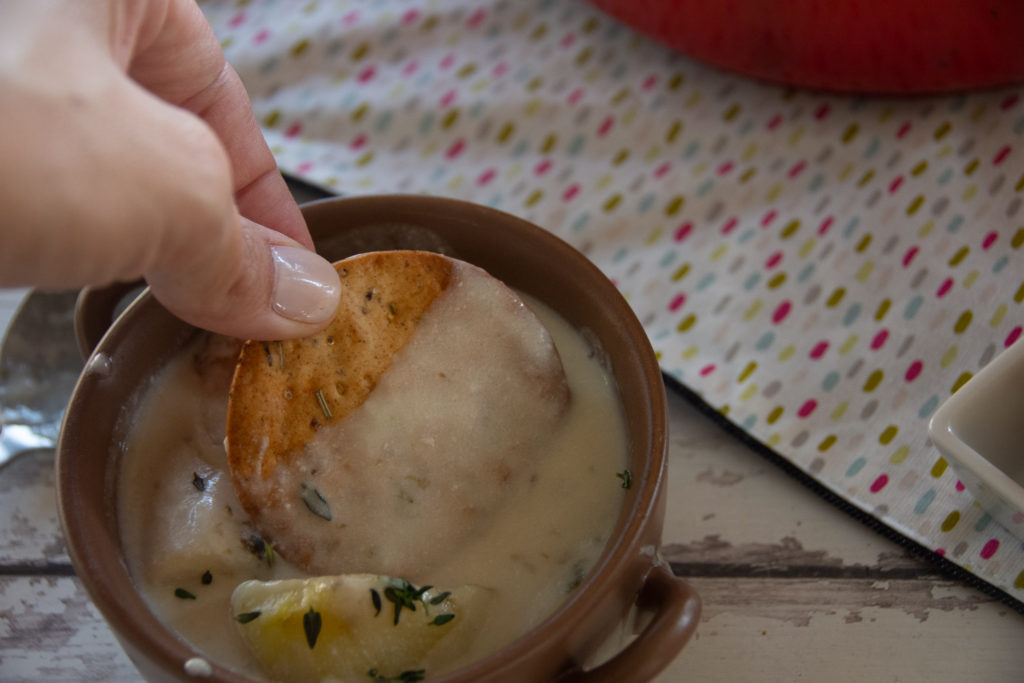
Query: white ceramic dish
980,432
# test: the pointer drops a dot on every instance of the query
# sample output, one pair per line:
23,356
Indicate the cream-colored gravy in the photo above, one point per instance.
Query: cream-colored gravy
458,423
183,527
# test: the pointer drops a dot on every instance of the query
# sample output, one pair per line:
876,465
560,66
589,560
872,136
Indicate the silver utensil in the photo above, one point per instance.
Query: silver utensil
39,366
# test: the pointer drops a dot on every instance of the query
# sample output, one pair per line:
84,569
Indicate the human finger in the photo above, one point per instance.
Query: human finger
268,287
181,61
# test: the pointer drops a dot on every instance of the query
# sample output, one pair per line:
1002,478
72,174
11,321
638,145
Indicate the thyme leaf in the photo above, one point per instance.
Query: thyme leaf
439,598
183,594
255,544
198,482
375,597
442,619
207,578
315,502
627,478
246,617
311,623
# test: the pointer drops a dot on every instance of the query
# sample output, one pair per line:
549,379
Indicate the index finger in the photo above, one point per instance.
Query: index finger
178,58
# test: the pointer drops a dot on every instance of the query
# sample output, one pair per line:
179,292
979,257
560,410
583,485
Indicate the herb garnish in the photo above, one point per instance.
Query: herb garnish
246,617
411,676
404,595
316,503
579,572
255,544
323,404
439,598
442,619
183,594
207,578
627,478
311,623
375,597
198,482
268,554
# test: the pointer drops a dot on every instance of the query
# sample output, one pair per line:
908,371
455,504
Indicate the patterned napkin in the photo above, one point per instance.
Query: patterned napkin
822,271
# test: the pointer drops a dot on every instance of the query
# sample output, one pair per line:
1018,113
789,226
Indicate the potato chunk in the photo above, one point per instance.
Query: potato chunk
341,628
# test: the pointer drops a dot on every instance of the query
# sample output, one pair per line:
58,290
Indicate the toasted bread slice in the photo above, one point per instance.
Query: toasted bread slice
386,491
284,391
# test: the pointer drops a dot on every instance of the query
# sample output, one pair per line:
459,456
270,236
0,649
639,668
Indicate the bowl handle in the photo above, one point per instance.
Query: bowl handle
96,309
676,607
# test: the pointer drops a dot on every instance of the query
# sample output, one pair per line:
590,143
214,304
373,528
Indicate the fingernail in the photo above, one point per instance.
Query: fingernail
306,286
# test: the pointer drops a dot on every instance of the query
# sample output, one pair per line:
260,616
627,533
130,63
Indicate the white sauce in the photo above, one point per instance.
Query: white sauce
547,535
457,424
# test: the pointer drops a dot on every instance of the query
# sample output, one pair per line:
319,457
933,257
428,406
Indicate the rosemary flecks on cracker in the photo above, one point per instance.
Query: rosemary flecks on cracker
323,404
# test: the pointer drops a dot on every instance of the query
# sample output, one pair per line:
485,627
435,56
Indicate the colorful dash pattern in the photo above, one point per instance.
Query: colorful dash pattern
822,270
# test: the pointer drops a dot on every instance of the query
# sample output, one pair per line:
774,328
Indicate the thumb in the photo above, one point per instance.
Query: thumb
255,284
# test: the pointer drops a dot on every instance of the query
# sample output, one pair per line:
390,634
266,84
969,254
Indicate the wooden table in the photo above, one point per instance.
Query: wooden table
793,588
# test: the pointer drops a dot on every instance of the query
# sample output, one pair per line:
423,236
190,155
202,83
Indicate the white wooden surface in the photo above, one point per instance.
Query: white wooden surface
793,589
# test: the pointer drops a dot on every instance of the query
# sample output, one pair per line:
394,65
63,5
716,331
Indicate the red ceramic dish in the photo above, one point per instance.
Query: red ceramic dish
864,46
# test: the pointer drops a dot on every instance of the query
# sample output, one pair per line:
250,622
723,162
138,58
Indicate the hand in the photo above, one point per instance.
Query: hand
128,148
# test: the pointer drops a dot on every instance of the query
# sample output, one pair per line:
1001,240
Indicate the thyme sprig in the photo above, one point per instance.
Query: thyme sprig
403,594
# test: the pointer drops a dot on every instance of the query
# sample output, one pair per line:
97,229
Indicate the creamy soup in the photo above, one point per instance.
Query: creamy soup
455,427
189,543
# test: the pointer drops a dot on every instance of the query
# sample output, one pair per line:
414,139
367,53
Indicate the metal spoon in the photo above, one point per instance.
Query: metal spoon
39,366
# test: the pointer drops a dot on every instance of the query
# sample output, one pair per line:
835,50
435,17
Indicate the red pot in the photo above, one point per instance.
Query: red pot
892,47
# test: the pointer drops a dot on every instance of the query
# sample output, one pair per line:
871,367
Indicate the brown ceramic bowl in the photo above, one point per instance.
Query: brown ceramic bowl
630,571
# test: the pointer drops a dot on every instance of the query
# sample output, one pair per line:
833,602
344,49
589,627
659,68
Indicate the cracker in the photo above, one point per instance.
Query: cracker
284,391
459,426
